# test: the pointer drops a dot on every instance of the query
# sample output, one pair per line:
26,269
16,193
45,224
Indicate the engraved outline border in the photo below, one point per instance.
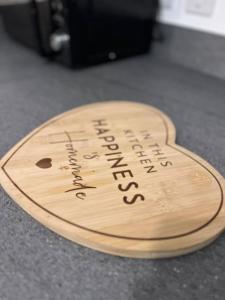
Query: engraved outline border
113,235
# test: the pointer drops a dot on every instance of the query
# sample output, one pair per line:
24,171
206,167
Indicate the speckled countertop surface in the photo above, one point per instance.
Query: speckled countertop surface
37,264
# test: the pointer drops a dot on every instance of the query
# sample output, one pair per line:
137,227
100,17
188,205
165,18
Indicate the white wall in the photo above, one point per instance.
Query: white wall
205,15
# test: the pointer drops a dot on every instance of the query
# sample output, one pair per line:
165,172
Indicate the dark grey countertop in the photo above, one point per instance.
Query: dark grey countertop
35,263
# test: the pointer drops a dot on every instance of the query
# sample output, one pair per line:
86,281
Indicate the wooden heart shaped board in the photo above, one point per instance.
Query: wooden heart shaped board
110,176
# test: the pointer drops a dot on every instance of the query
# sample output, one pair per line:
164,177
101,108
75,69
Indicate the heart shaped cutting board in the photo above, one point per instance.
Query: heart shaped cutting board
110,176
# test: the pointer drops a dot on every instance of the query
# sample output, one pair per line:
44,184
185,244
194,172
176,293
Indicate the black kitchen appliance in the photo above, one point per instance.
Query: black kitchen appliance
83,32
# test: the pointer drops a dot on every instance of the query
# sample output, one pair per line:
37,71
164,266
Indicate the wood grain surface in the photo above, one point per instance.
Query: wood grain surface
110,176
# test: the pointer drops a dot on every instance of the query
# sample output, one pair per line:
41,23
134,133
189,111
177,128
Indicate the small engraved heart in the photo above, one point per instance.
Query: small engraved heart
44,163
